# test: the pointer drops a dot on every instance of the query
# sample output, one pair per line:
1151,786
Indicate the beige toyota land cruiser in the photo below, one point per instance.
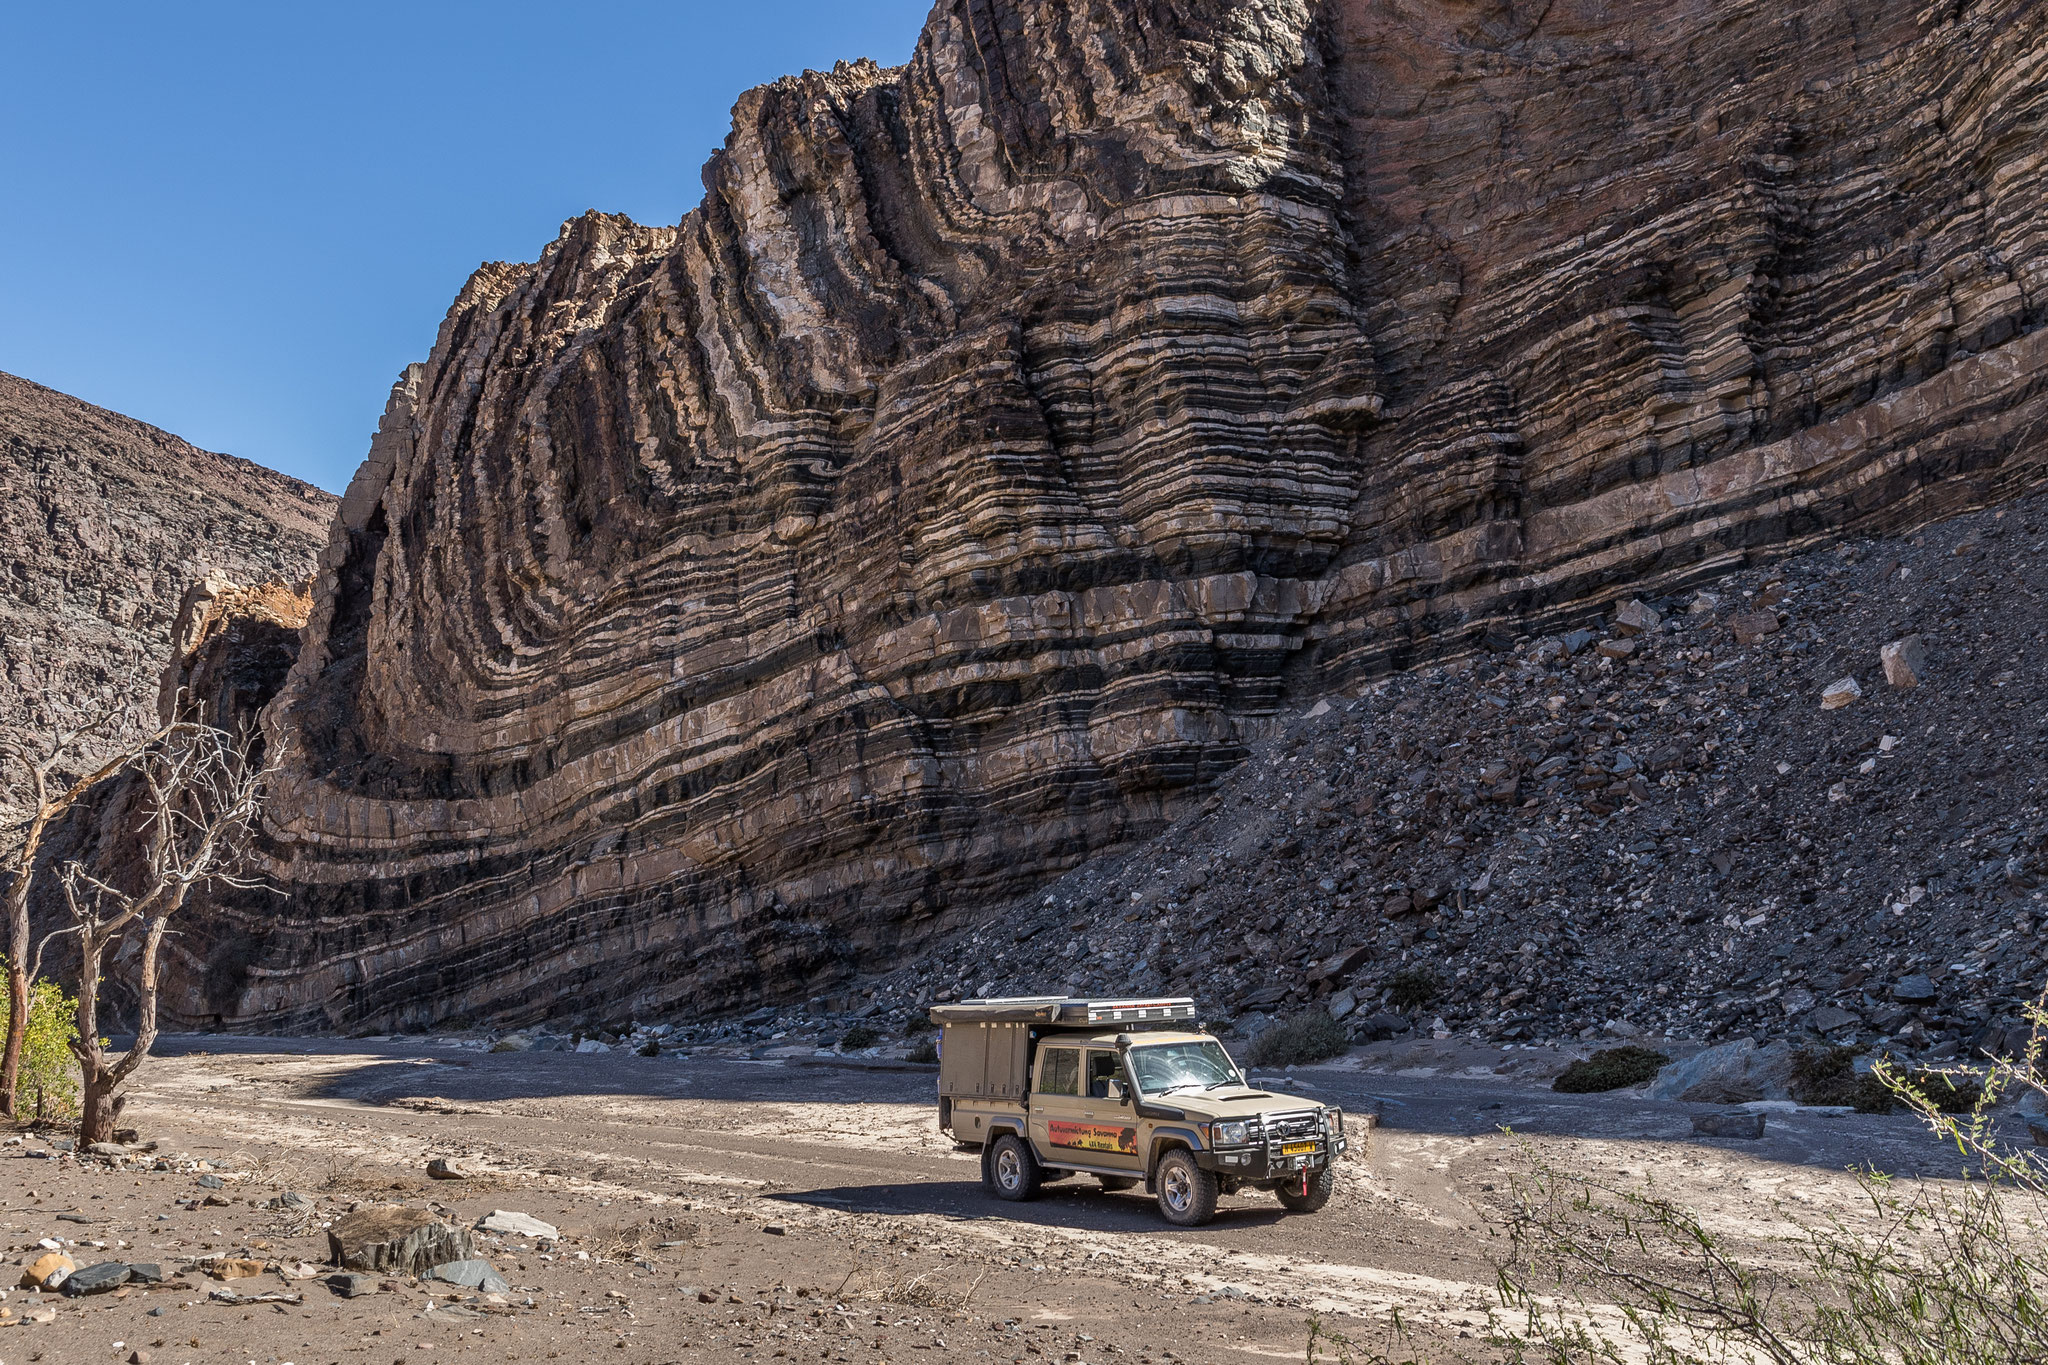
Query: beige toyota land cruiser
1125,1091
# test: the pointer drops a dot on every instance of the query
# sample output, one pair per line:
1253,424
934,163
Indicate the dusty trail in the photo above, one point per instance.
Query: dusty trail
832,1180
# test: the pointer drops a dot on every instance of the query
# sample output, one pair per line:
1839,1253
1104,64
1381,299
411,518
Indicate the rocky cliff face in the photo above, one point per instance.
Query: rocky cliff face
1009,435
104,525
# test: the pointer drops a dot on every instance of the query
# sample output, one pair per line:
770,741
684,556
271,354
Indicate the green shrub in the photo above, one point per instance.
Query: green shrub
926,1052
1412,988
48,1085
858,1037
1615,1069
1827,1075
1308,1037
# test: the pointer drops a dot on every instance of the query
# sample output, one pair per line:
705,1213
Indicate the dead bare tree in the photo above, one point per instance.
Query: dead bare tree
199,795
49,809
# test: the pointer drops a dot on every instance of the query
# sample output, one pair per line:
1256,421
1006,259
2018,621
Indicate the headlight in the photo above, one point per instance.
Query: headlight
1333,1122
1230,1134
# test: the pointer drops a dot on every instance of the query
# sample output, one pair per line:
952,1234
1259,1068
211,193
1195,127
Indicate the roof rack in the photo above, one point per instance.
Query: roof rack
1066,1010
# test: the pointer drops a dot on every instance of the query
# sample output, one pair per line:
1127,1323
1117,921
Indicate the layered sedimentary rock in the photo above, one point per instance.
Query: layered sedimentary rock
104,523
1009,435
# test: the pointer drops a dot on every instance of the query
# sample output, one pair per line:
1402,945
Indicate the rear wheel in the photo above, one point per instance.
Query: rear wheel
1187,1193
1116,1184
1012,1171
1320,1183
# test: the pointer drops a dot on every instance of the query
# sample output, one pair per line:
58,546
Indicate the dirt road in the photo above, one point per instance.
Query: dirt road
808,1209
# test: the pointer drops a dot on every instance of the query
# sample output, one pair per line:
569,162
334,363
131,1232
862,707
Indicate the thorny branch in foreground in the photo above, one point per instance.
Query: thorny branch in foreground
1948,1274
1933,1274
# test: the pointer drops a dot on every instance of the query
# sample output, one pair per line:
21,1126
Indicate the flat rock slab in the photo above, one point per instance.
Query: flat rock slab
1746,1126
103,1278
350,1286
145,1272
507,1223
396,1239
472,1274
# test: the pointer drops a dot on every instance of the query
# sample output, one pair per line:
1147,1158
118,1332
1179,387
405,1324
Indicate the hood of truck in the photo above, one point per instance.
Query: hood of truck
1238,1102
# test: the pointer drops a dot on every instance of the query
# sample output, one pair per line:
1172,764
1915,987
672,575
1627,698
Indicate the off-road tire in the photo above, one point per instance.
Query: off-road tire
1117,1184
1187,1193
1319,1186
1011,1172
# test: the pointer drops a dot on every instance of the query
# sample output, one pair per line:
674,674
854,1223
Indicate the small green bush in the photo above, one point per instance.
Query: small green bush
858,1037
1412,988
1308,1037
1615,1069
926,1052
1827,1075
48,1085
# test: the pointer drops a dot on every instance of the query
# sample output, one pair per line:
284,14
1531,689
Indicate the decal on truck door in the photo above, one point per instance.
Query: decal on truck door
1093,1137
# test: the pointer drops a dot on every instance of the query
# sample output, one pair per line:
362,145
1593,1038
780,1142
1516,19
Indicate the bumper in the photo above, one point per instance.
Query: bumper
1269,1162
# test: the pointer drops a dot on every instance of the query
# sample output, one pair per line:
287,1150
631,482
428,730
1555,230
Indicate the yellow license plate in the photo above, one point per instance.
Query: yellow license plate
1297,1148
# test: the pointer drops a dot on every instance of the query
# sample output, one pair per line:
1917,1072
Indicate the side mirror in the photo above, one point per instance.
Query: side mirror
1117,1093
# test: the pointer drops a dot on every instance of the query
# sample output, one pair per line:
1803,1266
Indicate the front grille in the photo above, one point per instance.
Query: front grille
1295,1127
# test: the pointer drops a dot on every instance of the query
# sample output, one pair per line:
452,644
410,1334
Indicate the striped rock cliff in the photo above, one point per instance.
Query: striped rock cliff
104,523
1009,436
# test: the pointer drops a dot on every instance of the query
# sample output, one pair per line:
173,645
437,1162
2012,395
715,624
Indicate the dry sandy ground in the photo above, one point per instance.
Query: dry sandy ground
719,1209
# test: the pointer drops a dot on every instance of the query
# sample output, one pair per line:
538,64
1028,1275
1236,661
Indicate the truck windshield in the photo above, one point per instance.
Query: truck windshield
1174,1066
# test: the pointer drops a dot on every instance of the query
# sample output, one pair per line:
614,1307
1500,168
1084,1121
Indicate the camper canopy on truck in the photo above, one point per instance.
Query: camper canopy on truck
1124,1090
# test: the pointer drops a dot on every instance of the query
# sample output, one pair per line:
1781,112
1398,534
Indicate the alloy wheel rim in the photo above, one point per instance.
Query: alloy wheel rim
1178,1188
1007,1168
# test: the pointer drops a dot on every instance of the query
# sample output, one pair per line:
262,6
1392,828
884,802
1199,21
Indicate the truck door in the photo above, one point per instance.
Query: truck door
1073,1120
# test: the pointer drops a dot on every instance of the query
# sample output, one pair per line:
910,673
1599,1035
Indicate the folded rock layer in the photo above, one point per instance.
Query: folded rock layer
1008,436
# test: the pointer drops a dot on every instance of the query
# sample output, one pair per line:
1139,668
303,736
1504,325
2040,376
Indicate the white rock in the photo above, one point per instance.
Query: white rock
1840,693
1905,661
507,1222
592,1045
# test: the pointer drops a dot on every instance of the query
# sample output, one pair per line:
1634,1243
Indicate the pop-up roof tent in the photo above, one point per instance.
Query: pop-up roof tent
1058,1011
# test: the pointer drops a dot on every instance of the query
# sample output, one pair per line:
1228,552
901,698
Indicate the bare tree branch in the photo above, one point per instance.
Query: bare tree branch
48,811
201,796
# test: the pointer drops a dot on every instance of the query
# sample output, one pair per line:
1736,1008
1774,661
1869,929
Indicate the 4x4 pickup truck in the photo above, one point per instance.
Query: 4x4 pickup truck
1124,1090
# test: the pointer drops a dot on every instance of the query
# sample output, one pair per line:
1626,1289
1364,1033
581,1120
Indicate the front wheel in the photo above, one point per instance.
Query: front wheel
1187,1193
1013,1172
1315,1194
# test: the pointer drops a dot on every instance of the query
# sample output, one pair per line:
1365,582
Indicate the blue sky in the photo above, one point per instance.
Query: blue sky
239,221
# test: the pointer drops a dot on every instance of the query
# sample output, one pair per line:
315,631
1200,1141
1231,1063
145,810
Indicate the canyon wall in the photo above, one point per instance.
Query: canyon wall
1009,436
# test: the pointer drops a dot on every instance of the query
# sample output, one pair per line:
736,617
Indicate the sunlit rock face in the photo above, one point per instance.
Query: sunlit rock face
1011,435
104,523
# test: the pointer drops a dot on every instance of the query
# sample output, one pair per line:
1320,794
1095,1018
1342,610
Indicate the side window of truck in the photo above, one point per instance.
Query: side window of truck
1059,1071
1102,1069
